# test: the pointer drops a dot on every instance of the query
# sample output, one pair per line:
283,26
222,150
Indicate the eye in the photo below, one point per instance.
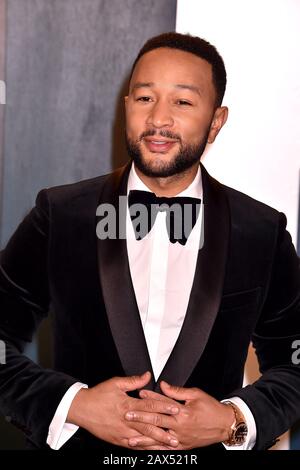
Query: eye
184,103
144,99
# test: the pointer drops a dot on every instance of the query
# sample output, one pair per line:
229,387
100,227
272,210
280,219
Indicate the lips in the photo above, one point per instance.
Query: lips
157,145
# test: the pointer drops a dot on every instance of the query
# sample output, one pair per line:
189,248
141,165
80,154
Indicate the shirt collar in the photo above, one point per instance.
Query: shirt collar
193,190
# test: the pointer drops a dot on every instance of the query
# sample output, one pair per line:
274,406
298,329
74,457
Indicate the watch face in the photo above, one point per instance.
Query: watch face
240,433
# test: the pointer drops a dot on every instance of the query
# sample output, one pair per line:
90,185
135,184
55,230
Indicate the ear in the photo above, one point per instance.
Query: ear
219,119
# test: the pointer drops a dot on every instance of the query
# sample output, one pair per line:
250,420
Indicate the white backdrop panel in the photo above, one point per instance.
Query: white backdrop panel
258,151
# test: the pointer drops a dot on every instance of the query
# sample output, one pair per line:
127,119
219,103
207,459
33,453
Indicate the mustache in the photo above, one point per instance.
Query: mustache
163,133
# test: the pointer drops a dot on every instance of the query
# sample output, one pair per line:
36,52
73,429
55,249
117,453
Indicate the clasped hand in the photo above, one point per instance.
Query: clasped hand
200,421
154,422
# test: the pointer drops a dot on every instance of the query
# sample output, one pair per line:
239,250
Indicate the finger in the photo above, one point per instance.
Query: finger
156,433
155,447
156,396
156,419
156,406
179,393
128,384
142,441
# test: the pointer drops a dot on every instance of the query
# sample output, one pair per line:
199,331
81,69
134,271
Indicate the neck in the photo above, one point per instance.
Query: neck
170,186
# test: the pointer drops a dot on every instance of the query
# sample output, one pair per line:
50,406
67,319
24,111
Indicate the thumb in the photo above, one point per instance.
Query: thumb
179,393
134,382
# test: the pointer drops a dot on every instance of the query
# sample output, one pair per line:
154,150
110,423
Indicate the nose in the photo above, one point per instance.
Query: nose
160,115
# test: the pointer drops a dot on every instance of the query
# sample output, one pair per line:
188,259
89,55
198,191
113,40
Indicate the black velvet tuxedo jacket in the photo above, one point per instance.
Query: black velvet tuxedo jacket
246,287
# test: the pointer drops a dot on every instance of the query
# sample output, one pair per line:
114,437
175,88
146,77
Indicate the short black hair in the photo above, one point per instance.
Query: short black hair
194,45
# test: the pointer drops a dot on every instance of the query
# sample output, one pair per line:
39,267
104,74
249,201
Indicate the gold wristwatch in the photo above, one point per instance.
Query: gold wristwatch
239,429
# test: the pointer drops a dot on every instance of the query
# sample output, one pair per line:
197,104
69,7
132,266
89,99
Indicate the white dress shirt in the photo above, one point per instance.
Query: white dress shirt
162,275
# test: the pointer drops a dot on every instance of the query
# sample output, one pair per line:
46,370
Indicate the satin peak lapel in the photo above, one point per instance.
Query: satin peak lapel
117,288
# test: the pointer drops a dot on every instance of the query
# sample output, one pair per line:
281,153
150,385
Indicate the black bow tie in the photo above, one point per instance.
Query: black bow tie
182,213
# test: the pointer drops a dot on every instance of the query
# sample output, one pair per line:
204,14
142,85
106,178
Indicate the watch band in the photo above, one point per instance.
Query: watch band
239,429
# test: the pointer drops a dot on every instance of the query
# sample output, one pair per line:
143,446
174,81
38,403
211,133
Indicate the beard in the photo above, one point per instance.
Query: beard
186,157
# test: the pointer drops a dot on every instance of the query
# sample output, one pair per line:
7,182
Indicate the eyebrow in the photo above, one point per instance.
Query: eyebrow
189,87
183,86
138,85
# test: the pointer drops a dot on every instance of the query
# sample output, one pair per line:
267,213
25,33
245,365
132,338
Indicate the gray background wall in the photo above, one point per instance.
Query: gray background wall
66,62
66,67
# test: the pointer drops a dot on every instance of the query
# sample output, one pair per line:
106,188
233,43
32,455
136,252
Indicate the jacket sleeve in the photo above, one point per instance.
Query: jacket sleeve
274,399
29,394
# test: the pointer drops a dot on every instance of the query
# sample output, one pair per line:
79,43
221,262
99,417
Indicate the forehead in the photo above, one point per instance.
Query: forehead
172,66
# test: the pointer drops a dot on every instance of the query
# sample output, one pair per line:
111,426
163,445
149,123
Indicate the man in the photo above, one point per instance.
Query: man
157,326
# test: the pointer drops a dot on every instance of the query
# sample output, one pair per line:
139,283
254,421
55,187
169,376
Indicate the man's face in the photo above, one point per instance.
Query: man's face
170,112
